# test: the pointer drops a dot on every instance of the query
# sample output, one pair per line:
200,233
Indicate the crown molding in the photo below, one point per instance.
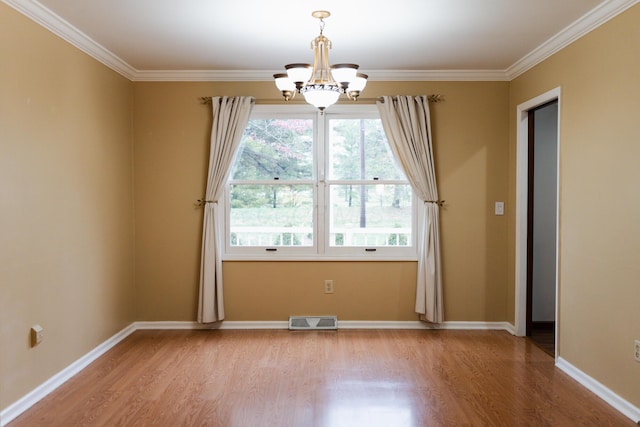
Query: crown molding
46,18
582,26
203,76
63,29
266,75
437,75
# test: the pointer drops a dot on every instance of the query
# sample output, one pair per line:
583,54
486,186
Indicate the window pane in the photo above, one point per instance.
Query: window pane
358,149
384,219
275,148
271,215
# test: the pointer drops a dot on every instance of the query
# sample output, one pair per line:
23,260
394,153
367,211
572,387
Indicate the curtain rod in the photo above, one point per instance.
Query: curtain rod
436,97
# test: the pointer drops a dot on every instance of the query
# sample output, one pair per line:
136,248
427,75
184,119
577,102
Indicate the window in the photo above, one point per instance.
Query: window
309,185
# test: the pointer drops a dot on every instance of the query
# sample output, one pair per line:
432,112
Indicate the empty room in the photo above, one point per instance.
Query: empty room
319,213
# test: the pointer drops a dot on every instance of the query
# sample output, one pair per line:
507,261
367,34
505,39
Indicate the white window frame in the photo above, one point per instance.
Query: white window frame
321,249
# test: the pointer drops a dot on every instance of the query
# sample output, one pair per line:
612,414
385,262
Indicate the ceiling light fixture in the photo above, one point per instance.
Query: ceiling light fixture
321,84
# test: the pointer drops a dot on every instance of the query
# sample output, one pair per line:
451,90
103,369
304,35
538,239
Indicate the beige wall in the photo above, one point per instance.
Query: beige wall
66,223
67,129
599,199
171,147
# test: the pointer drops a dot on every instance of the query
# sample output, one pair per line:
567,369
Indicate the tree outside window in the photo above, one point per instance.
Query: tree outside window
317,183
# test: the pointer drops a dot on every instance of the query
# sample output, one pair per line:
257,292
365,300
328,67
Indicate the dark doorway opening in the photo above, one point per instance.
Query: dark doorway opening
542,225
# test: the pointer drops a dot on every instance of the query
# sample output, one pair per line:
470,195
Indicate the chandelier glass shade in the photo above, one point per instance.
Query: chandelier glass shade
321,84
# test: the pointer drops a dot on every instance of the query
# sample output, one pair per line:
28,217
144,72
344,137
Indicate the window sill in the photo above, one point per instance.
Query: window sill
315,258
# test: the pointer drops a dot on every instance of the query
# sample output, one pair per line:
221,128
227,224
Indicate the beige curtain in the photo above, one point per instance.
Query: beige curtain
230,117
406,122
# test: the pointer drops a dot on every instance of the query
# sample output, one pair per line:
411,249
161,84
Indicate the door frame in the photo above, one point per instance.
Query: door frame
521,215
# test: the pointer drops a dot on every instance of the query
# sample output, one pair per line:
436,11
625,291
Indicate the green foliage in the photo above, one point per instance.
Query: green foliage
274,152
286,239
273,148
397,240
359,150
274,196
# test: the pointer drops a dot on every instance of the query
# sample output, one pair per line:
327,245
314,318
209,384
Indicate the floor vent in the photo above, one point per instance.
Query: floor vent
313,323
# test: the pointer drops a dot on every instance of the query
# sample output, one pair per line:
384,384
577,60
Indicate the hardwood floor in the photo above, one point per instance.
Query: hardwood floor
345,378
543,334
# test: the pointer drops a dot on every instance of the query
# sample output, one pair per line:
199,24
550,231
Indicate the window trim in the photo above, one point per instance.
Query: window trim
321,251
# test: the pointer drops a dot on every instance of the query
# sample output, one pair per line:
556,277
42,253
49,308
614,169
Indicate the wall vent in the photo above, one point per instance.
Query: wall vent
298,323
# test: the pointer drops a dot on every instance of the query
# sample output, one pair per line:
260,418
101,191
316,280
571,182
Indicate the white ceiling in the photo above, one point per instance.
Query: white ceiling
196,39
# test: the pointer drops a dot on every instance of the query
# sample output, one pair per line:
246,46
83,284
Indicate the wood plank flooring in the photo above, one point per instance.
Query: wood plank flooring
543,334
348,378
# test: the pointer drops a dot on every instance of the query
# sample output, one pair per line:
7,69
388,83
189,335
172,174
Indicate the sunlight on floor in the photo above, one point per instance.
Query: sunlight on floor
370,404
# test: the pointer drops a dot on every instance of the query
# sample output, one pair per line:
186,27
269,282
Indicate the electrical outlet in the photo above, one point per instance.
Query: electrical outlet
328,286
637,350
37,334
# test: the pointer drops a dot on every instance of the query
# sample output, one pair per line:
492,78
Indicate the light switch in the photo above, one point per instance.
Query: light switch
499,208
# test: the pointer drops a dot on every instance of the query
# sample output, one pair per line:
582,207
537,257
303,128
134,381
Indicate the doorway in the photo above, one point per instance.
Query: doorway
542,208
537,219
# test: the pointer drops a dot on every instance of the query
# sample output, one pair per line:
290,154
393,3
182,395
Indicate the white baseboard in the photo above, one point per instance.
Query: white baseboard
274,324
14,410
218,325
139,326
342,324
367,324
624,407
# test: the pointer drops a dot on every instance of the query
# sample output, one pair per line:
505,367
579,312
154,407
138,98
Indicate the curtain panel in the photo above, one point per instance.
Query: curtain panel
407,125
230,117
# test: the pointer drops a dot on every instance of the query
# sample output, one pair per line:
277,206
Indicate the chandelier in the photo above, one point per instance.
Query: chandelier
321,84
